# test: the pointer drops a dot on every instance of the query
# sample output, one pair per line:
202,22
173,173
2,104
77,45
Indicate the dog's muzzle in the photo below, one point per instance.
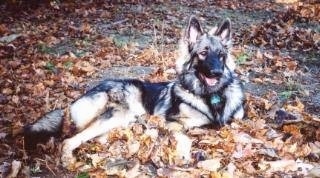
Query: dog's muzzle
212,79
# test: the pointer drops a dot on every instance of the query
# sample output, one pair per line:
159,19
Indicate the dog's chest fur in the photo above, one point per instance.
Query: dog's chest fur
176,103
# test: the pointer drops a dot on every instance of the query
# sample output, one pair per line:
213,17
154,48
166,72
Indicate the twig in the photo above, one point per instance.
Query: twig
47,100
119,163
115,23
46,165
162,40
176,168
316,119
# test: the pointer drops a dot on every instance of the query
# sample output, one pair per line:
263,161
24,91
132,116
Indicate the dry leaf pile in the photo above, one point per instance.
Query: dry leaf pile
49,54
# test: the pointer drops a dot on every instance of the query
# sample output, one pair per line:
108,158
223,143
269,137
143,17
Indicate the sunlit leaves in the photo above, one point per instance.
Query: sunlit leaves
65,45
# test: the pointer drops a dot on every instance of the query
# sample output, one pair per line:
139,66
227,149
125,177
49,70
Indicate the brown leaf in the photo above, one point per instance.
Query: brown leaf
244,138
15,99
155,121
293,130
7,91
133,148
134,172
257,80
167,172
210,165
39,89
147,143
314,172
296,106
15,168
3,29
292,65
285,166
248,167
85,66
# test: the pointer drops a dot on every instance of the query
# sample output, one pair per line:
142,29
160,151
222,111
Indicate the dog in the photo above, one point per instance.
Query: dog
206,91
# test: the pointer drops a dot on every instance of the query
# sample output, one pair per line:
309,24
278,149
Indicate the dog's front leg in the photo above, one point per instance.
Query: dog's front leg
191,118
234,103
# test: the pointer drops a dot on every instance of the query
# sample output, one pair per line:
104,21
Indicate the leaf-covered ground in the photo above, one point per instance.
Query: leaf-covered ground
51,53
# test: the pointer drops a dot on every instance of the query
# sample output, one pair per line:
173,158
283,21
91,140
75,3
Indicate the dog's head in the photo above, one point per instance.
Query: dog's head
204,64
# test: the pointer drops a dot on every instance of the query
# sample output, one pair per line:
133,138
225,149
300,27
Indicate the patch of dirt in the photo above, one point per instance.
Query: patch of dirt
63,48
122,72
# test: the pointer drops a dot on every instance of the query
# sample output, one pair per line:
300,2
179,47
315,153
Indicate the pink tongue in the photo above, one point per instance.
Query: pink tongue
211,81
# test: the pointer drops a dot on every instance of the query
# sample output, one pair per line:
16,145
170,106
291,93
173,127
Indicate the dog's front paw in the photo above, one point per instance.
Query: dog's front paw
67,158
183,147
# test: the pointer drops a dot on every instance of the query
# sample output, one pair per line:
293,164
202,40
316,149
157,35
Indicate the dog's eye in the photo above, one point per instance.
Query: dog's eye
222,55
203,53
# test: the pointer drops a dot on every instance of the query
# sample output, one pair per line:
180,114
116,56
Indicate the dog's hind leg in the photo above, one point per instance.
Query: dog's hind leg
104,123
87,108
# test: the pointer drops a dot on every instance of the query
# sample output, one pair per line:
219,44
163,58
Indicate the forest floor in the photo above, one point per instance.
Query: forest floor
52,53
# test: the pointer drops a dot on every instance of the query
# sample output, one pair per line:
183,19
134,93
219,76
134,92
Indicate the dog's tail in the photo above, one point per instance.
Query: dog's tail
49,125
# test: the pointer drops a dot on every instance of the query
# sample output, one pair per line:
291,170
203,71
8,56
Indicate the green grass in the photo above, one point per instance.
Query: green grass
50,66
120,41
35,169
286,94
68,64
42,48
83,175
242,58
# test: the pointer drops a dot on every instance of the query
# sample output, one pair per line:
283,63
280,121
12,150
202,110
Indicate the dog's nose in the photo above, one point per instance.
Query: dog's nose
216,73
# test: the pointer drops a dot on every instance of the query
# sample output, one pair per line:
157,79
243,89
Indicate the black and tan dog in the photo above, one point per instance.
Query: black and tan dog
206,92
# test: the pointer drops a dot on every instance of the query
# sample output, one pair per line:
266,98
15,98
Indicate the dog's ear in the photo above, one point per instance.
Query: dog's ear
223,31
193,31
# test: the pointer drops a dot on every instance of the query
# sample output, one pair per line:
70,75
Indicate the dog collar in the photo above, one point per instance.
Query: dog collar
215,99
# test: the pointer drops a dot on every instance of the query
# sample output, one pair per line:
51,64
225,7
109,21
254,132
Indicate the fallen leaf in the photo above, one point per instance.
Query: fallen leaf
314,172
243,151
15,99
244,138
280,165
293,130
133,148
4,168
272,134
15,168
3,135
231,169
296,106
167,172
286,1
315,147
210,165
268,152
7,91
284,117
133,172
96,159
84,66
9,38
248,167
174,126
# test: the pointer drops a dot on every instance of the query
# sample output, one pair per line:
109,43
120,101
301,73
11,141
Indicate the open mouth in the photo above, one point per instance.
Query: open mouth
210,81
